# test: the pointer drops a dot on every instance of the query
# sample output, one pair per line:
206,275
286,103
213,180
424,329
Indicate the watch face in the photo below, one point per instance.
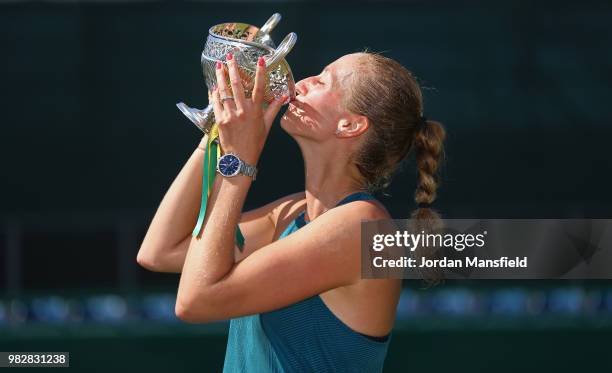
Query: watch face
229,165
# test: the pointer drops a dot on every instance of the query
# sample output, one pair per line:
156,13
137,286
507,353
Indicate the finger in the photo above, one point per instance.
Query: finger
260,82
236,82
223,89
217,105
272,110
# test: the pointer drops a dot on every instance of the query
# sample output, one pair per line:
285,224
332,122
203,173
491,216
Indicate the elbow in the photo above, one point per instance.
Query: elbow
184,312
203,308
192,313
148,261
144,260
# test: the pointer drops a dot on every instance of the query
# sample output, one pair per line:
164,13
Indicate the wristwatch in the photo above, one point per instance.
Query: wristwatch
229,165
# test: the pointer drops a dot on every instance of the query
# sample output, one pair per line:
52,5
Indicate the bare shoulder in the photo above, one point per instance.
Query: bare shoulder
286,209
276,208
289,207
288,202
342,224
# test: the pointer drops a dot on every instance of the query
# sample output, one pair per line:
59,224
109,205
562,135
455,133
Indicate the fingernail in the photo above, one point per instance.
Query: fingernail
230,56
261,61
218,65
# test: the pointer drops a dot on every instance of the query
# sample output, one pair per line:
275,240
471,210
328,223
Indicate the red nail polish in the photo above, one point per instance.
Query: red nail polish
230,56
218,65
261,61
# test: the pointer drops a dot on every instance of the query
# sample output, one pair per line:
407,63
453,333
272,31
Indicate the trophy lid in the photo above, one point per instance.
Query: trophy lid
246,33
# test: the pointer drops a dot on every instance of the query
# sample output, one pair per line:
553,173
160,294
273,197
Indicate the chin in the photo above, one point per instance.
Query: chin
288,127
295,125
287,122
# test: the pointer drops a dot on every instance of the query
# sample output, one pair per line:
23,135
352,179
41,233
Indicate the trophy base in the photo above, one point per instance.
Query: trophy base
203,119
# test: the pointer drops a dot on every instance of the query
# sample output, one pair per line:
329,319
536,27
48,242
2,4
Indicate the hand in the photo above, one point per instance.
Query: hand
243,124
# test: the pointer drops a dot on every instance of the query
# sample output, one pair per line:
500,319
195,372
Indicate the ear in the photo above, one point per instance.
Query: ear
352,126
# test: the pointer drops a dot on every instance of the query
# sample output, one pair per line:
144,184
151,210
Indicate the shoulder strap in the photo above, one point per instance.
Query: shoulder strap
357,196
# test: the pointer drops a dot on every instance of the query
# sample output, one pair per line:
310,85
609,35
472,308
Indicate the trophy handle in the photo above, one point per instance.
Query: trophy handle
203,119
283,49
270,23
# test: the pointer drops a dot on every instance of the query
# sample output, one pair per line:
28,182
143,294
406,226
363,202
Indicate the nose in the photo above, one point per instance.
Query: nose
301,87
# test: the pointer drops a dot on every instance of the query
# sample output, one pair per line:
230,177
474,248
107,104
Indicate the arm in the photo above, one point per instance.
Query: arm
163,246
169,235
210,256
323,255
243,128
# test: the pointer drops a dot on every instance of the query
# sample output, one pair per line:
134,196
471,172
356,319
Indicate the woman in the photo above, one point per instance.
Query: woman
294,294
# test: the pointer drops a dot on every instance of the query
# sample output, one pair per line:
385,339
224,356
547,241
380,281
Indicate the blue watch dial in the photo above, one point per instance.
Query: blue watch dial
229,165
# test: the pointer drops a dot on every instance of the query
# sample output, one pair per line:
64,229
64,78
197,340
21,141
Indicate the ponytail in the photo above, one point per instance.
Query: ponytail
428,145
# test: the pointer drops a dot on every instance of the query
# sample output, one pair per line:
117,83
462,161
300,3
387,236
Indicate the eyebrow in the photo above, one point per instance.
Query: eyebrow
338,83
334,82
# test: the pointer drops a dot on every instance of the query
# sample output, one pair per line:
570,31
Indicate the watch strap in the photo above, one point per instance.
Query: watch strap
248,170
211,158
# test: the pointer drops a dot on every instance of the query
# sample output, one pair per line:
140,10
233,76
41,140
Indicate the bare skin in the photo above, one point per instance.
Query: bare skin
218,281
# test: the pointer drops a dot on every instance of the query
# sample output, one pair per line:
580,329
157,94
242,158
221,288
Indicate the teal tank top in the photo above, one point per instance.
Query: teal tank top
302,337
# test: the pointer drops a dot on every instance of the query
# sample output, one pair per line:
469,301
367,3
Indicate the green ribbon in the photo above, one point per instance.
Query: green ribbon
211,157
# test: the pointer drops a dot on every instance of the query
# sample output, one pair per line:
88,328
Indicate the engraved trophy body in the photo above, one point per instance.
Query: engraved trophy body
247,43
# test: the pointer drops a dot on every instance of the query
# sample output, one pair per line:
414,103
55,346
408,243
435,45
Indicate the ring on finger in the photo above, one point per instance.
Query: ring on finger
227,98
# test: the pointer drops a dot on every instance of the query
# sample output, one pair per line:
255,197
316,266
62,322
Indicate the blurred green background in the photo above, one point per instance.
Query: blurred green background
91,140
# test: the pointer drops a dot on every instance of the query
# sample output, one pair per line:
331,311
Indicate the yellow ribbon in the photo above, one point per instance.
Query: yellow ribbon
211,158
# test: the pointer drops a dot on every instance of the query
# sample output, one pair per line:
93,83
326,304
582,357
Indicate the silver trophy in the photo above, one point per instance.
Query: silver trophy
247,43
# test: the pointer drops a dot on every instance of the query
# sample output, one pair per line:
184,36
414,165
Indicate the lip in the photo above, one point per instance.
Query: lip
295,95
295,100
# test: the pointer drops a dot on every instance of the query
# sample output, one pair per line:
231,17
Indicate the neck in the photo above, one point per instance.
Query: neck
329,179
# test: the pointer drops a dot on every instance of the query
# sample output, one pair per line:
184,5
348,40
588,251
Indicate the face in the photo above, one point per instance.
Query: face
317,111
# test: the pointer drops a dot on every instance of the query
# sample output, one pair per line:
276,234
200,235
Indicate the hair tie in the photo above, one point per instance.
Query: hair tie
423,205
421,123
